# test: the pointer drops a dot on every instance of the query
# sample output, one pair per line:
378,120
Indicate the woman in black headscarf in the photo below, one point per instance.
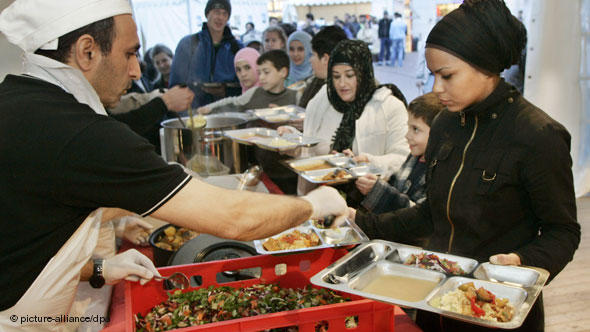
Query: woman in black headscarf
500,185
373,119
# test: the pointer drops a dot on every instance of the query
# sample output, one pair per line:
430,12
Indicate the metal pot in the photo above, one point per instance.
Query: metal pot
205,150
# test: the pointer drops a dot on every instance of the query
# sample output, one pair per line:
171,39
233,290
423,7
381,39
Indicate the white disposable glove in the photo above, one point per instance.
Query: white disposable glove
134,229
130,265
326,201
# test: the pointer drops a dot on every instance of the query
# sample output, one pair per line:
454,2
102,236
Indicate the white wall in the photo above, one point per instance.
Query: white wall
552,68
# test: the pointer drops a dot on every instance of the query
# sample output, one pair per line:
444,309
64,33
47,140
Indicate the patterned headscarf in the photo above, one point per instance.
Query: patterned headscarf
249,55
303,70
356,54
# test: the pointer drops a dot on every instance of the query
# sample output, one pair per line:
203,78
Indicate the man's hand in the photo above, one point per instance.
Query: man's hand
505,259
178,99
326,201
366,183
130,265
134,230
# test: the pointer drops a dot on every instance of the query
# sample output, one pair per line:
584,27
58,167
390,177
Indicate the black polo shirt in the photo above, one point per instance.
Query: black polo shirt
59,162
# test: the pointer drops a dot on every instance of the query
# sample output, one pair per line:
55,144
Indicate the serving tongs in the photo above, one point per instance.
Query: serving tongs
332,278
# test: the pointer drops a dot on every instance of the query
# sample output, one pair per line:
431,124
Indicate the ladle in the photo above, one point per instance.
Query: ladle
175,280
250,177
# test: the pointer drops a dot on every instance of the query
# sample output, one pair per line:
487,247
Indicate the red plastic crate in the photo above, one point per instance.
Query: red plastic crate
372,315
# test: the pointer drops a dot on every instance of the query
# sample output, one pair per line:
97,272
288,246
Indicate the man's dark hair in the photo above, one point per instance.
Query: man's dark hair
288,28
102,31
309,16
278,58
426,107
251,24
326,39
397,14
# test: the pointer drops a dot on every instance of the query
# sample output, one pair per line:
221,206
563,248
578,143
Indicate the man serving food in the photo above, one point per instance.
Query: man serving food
68,168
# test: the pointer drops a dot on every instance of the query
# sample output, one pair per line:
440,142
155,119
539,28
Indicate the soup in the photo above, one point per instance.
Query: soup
401,288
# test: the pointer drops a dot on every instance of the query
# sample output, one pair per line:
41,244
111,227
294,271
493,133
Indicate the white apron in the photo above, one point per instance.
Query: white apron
52,293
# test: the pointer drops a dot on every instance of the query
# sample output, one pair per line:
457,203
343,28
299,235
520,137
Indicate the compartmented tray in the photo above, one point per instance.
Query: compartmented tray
280,114
317,169
270,139
347,234
376,270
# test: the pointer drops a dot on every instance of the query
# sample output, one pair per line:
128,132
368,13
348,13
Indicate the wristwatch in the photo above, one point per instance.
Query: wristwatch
97,280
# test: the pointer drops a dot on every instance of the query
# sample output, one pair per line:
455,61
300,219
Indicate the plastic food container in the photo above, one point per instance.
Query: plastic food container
291,271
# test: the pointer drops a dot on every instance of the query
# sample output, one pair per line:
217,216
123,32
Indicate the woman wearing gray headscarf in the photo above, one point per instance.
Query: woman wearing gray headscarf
500,185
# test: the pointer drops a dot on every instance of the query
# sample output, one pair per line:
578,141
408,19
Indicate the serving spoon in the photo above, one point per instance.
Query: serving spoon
175,280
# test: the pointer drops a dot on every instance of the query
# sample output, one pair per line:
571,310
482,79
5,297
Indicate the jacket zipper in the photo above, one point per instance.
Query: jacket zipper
455,179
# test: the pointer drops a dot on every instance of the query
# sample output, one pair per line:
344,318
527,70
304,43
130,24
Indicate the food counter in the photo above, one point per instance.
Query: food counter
117,310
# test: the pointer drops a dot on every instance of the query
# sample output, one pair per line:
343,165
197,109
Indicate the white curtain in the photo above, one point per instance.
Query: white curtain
583,165
557,54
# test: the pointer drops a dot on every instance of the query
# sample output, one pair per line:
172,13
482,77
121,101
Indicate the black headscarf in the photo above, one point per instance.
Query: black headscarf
356,54
481,32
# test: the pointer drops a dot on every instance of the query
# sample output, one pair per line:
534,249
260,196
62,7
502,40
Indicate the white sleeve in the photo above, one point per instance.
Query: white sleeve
240,100
396,146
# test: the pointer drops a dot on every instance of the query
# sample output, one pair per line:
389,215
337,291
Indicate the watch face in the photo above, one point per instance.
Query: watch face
96,281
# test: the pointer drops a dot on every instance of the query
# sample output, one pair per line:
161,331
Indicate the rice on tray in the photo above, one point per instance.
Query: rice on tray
469,302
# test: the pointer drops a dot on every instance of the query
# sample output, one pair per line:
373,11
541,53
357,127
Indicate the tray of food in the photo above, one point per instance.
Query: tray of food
483,294
280,114
279,297
311,235
330,168
269,139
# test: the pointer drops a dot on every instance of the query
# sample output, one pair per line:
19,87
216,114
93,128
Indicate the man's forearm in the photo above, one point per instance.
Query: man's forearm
232,214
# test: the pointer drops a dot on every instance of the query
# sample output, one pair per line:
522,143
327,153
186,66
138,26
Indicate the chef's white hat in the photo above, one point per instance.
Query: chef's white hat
35,24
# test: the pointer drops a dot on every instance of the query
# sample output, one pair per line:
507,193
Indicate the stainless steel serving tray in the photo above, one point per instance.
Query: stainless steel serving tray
347,234
269,139
313,168
375,259
280,114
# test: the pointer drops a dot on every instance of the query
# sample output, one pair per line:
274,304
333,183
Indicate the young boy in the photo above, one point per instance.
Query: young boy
407,186
273,69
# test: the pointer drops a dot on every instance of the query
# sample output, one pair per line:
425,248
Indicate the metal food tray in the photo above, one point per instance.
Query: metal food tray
328,163
269,139
280,114
369,261
316,176
347,234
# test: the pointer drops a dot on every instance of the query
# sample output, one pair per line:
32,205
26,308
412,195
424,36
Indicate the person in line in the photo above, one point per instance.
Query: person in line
162,57
247,68
274,38
397,33
500,184
385,48
250,32
93,167
344,27
299,46
205,61
310,26
321,45
273,68
273,21
352,114
407,186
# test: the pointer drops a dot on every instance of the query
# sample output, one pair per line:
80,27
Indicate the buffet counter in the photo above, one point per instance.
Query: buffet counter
403,323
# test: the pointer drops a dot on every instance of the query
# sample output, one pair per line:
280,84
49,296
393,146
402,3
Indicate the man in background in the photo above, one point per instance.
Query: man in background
205,61
397,33
384,25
